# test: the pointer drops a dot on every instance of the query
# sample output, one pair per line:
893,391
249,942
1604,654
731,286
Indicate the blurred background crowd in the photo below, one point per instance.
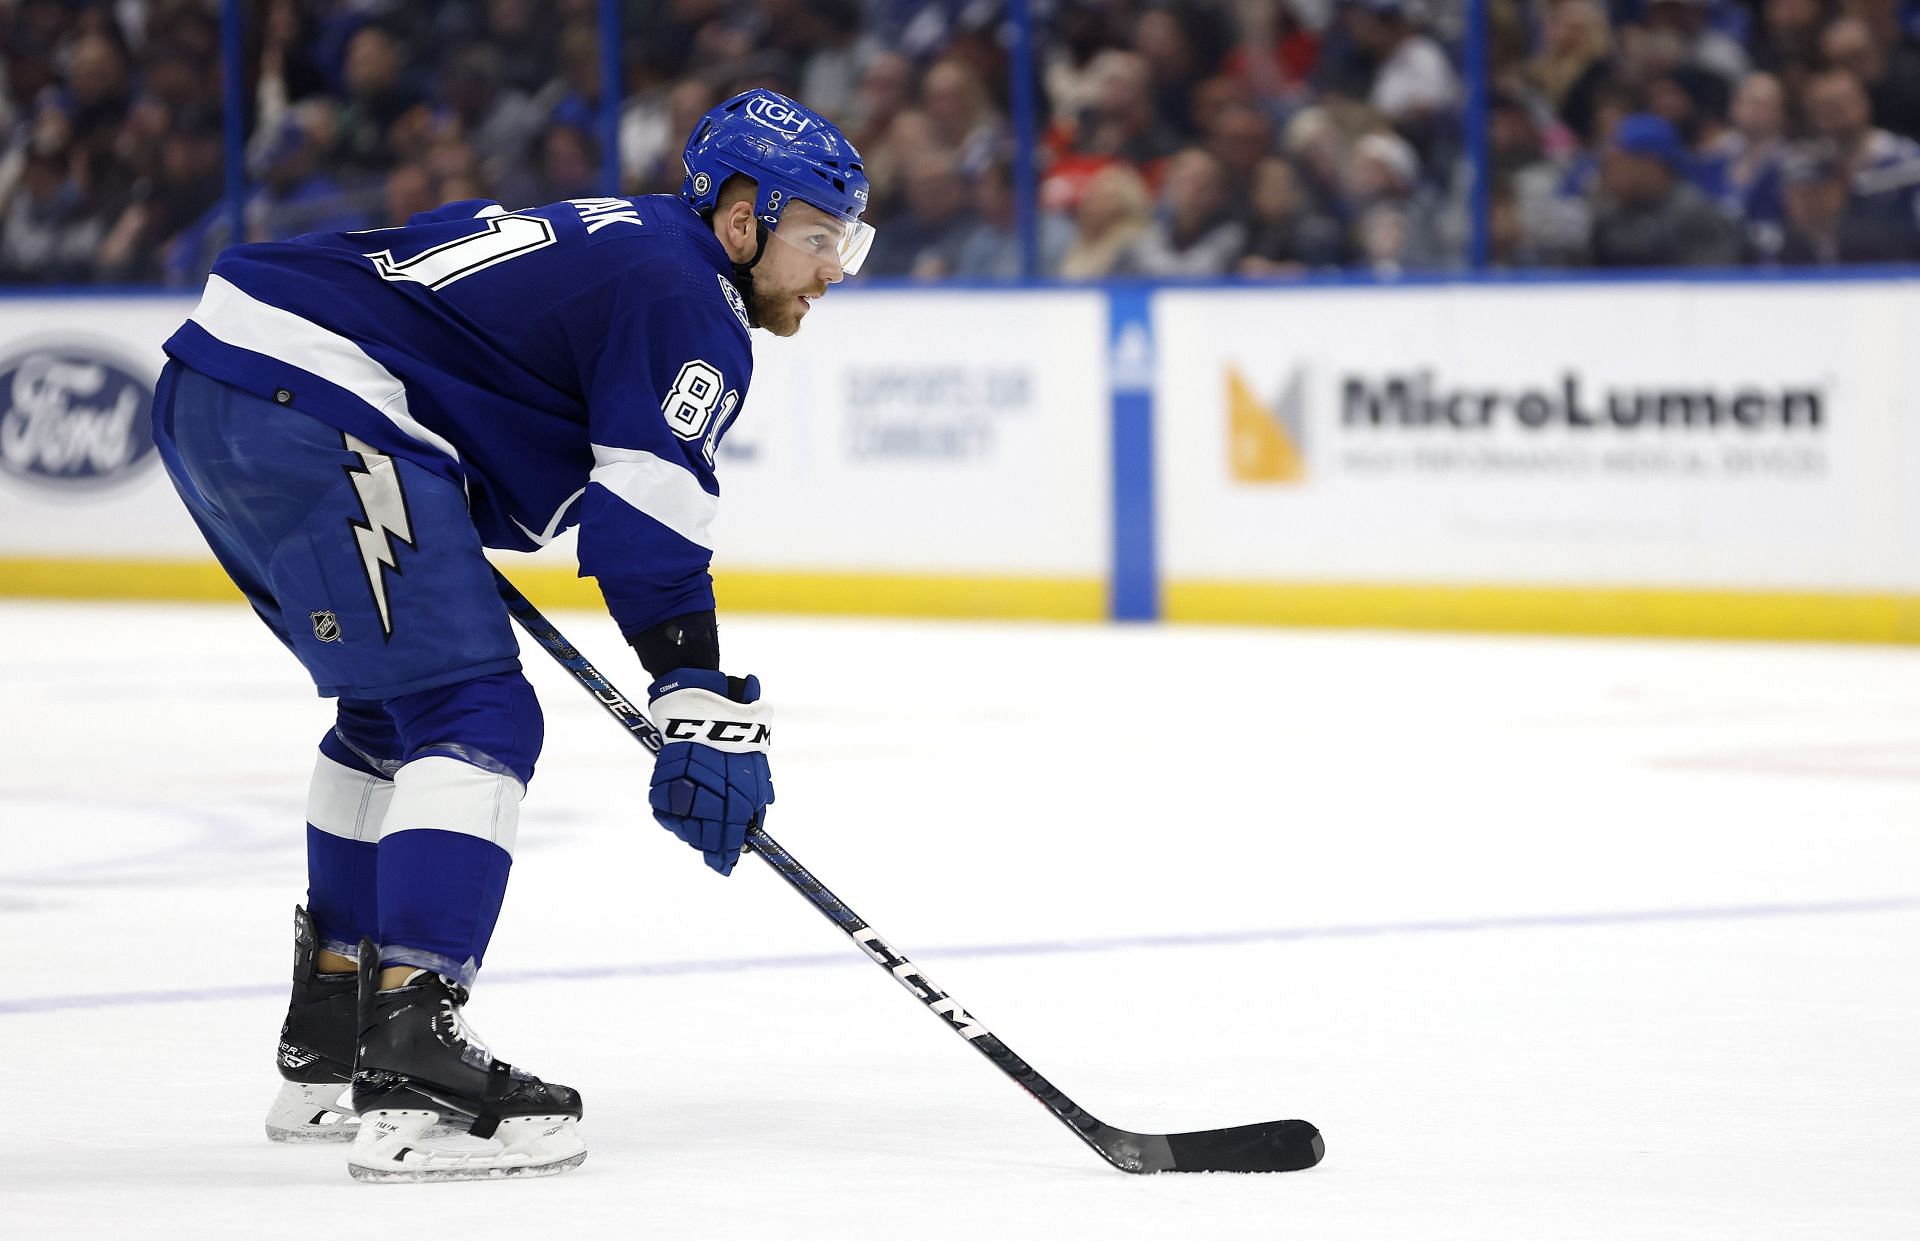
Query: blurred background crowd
1191,138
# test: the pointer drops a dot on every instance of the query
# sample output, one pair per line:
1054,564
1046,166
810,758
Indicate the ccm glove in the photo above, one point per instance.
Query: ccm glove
710,782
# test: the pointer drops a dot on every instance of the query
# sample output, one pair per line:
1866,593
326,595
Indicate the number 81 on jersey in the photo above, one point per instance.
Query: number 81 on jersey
692,402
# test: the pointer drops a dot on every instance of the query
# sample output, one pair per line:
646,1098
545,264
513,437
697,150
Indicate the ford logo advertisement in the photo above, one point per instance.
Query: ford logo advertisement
74,413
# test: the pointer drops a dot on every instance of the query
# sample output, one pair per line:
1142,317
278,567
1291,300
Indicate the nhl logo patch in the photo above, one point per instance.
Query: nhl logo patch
326,626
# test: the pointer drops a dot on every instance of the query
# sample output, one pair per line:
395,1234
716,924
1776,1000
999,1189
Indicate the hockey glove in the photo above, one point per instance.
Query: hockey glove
710,782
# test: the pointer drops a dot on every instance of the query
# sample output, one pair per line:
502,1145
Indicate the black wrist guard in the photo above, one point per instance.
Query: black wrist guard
690,641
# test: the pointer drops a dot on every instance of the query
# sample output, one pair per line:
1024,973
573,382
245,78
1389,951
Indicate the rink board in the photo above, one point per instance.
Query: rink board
1667,458
1677,458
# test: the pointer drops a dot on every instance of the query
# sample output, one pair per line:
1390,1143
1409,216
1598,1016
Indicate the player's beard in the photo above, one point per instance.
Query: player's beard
778,310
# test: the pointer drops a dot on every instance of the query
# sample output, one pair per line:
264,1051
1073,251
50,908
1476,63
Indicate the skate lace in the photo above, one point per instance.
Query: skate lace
473,1048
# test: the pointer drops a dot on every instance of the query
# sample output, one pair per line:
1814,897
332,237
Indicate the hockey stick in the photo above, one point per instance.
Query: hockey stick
1272,1146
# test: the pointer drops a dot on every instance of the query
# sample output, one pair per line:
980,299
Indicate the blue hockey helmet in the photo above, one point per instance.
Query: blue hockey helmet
791,152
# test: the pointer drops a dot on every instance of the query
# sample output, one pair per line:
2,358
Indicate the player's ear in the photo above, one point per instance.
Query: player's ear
734,224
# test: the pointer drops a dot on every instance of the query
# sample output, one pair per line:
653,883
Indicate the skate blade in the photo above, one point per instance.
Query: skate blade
395,1145
309,1112
378,1176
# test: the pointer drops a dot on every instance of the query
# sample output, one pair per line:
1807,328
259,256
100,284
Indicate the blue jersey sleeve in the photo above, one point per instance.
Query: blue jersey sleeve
664,383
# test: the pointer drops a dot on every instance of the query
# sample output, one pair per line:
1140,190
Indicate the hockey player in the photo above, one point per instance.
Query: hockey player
351,418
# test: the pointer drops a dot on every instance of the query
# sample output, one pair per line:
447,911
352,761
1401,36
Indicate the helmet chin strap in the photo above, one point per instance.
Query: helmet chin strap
743,272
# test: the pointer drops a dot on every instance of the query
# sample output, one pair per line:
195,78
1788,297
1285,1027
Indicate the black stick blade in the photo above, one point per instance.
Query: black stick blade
1272,1146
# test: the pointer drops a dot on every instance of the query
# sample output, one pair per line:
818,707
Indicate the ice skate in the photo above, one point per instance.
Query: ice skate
315,1056
433,1103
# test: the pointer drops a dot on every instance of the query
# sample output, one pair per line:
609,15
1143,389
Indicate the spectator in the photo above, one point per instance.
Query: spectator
96,96
1113,213
1889,70
377,96
1882,168
1750,155
1383,183
1276,53
1537,219
841,52
574,97
566,165
1172,61
1413,83
1124,121
1215,96
990,248
186,184
1383,239
1287,234
52,225
1694,101
498,120
886,90
1686,27
294,192
1789,46
1647,214
501,97
409,191
1826,224
524,41
1082,29
1195,233
887,162
649,148
924,241
1240,137
1573,61
963,117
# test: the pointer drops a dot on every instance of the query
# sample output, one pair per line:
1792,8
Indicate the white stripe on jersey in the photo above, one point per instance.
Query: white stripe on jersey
448,795
229,314
664,491
346,803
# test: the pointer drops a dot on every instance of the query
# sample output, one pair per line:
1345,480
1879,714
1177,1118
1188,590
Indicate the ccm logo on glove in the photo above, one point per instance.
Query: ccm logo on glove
713,732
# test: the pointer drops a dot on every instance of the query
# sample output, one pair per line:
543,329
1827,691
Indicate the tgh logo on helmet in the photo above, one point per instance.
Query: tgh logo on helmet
73,412
777,114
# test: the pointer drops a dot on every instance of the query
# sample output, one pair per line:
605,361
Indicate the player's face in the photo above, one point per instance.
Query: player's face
800,261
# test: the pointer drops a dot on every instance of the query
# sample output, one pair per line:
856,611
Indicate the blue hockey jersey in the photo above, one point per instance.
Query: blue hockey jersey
572,364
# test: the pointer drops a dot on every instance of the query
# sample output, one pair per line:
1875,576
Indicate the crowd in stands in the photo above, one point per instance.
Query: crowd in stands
1699,132
1186,139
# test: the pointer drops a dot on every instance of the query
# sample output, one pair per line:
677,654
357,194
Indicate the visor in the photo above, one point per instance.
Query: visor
818,235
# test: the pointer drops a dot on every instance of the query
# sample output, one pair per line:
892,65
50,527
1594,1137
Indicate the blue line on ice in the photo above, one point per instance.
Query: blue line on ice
1112,943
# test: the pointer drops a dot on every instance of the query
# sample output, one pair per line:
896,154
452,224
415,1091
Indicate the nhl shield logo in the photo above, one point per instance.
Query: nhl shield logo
326,626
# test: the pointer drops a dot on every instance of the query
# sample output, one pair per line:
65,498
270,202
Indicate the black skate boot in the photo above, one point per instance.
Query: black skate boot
316,1049
435,1105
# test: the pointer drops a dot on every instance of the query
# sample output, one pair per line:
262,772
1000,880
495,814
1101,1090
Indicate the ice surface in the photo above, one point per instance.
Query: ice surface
1552,939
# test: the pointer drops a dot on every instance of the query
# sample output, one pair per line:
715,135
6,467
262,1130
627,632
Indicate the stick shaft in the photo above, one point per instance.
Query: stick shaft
1101,1137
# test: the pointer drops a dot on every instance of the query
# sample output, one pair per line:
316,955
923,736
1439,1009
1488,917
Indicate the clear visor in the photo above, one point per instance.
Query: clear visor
826,238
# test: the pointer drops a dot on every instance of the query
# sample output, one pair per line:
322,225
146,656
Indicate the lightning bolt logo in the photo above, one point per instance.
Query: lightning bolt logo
377,482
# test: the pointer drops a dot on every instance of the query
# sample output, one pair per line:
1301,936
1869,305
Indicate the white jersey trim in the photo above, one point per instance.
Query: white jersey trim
229,314
448,795
663,490
552,532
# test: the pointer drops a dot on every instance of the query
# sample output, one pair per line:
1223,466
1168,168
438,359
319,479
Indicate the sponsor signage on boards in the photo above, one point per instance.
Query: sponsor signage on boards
74,414
1420,421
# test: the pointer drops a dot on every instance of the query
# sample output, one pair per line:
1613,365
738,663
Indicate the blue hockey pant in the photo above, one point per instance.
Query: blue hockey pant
368,568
